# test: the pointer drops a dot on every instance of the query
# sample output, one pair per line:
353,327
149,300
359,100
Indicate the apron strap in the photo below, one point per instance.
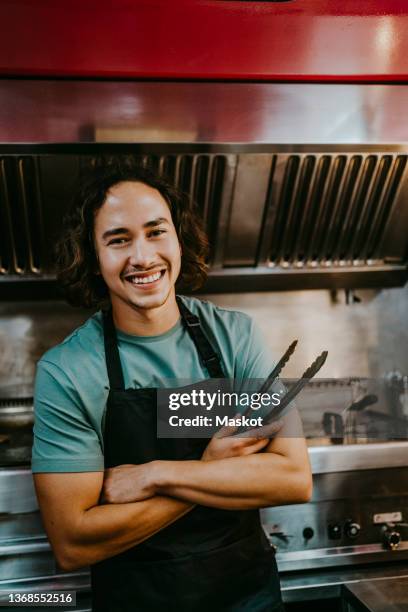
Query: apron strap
209,357
113,365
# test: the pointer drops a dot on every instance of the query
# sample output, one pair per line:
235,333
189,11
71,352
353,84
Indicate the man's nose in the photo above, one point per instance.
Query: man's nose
142,254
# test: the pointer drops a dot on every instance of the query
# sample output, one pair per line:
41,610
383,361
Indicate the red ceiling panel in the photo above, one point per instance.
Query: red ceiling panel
297,40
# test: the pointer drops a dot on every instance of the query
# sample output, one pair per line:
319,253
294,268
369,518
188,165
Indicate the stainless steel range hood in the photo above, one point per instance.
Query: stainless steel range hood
279,216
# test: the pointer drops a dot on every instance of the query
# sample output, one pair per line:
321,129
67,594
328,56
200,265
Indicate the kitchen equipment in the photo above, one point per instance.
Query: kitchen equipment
353,529
16,414
16,423
333,427
297,387
311,371
266,250
365,401
389,595
278,368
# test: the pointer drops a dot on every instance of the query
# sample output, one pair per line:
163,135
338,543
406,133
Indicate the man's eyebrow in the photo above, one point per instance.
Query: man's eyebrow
114,232
155,222
124,230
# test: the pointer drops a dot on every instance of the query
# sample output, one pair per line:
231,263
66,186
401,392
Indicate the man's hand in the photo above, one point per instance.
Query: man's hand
128,483
225,445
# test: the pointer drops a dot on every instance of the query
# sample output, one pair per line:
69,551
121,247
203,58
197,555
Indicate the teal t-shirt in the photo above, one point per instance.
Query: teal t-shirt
72,386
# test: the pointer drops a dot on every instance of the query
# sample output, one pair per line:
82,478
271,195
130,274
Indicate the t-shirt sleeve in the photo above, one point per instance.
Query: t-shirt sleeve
64,439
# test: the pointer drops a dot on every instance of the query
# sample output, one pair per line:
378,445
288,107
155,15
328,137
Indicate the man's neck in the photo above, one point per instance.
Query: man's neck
145,321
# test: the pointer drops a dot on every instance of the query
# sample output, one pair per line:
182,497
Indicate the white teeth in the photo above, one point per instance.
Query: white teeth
146,279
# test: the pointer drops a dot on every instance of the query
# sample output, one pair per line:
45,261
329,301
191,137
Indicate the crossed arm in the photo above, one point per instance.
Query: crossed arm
142,500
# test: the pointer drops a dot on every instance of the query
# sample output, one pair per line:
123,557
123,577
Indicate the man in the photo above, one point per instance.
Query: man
164,524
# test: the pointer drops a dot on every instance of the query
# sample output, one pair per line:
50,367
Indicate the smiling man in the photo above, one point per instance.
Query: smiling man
164,524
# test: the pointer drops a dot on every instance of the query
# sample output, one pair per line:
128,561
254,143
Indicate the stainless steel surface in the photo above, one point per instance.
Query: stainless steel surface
331,216
16,414
102,111
16,424
367,338
27,330
338,557
21,558
247,206
17,491
19,546
387,595
327,583
339,527
346,458
20,525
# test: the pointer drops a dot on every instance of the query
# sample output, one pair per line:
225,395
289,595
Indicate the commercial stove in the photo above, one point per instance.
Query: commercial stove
355,528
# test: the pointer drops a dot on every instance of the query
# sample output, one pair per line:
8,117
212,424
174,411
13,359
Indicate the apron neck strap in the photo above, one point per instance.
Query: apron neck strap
113,365
209,357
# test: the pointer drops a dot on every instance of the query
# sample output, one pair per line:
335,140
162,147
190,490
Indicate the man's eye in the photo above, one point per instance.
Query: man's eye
117,241
157,233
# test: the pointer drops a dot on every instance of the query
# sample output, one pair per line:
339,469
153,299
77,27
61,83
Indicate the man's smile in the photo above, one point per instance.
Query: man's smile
145,280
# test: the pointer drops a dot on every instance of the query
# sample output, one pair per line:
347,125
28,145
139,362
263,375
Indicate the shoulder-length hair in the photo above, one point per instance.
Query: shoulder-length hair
76,256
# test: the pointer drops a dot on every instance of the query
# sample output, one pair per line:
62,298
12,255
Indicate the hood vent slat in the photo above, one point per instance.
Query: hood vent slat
302,209
360,207
310,222
20,214
383,209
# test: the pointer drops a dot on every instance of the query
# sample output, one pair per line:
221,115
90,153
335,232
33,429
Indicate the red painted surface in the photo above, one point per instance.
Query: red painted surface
300,40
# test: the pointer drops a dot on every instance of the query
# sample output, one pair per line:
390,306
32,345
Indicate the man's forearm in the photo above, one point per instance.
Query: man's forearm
107,530
121,526
259,480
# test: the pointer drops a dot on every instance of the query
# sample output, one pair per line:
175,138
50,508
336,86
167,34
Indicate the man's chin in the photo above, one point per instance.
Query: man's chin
146,302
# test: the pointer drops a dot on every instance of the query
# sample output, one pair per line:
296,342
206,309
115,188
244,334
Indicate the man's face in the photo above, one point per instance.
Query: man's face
137,246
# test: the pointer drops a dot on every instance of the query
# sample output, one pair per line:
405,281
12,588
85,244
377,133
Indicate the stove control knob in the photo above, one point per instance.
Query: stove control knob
352,529
334,531
308,533
392,538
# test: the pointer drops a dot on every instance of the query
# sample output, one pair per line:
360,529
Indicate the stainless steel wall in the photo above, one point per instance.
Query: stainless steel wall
55,111
363,339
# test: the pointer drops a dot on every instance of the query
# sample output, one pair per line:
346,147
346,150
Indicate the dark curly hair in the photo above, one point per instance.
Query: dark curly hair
75,251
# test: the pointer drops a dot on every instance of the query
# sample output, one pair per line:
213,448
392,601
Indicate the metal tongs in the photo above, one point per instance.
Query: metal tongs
293,392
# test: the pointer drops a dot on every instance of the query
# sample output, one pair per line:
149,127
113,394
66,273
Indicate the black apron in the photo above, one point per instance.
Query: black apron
209,559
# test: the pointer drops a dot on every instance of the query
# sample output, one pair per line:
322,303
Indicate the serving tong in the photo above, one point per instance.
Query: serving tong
307,375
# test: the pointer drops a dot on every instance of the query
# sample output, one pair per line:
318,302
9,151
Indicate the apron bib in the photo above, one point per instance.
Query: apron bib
209,559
